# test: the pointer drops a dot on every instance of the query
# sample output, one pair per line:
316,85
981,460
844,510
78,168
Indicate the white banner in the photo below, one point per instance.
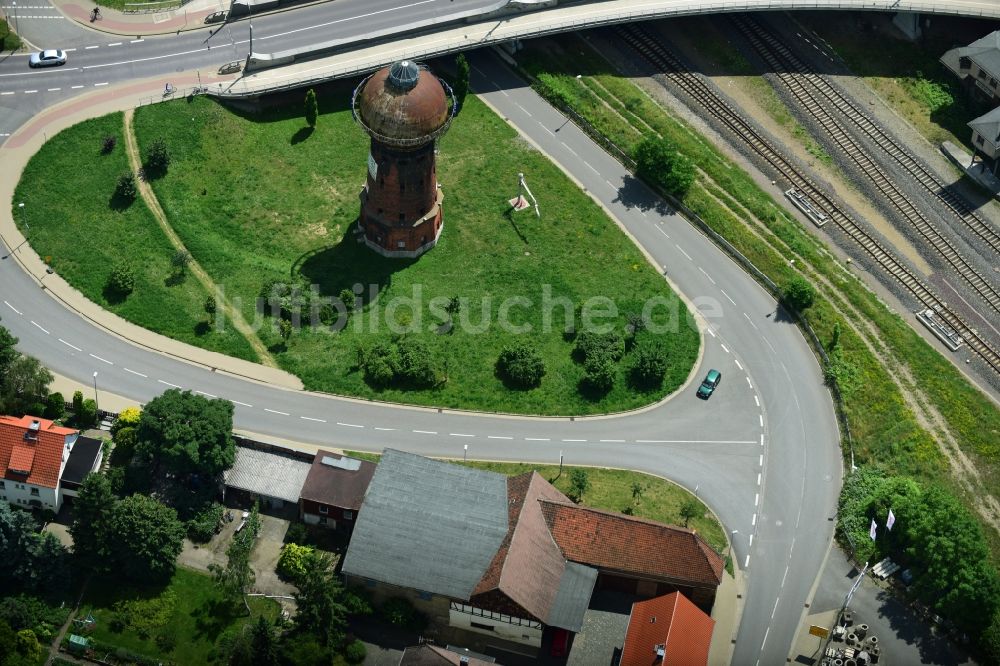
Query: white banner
890,521
871,532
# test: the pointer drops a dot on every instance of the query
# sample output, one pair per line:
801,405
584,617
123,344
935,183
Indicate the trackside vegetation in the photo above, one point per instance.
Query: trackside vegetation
868,344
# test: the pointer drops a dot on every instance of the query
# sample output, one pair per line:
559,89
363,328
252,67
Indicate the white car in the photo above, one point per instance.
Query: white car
47,58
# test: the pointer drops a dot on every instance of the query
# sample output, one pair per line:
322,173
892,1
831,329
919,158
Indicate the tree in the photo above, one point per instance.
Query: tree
24,386
521,364
320,601
637,489
121,280
461,80
33,562
292,561
690,508
600,372
145,538
416,364
579,483
835,336
180,261
798,294
237,577
91,526
590,344
263,643
157,158
660,164
650,366
127,418
8,350
55,406
285,329
348,298
125,189
312,108
211,306
188,433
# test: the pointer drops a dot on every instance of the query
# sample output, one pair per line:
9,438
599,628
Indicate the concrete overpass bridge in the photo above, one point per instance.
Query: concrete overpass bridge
510,20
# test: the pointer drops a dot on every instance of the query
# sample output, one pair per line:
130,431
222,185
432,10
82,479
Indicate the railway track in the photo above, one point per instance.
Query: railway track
805,87
772,50
700,92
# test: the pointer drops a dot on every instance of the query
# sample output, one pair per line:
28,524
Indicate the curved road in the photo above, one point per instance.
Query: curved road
763,452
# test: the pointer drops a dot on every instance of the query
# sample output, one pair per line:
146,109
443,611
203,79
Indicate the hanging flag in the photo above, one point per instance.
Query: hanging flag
871,532
890,521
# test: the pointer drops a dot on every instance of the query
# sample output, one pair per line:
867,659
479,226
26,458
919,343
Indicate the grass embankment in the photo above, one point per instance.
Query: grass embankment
179,623
82,232
261,199
907,75
874,343
611,490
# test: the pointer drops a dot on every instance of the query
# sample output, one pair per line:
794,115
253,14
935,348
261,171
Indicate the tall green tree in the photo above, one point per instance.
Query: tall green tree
8,350
659,163
312,108
91,527
24,386
237,577
461,80
320,596
799,294
187,433
579,483
690,509
145,538
33,562
263,643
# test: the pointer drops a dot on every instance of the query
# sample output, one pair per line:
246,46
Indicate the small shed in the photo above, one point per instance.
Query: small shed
77,644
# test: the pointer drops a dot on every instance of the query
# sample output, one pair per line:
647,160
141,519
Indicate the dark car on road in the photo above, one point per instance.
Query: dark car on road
707,387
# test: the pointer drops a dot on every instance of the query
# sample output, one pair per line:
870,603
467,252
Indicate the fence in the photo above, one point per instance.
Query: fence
618,153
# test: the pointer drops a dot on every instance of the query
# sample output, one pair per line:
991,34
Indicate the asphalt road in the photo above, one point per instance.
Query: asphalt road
763,452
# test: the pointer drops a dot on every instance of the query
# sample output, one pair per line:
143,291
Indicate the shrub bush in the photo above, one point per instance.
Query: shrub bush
659,163
650,365
125,189
600,372
158,158
589,344
55,406
798,294
121,281
205,523
521,364
400,612
357,601
292,562
127,418
355,652
108,144
297,533
87,416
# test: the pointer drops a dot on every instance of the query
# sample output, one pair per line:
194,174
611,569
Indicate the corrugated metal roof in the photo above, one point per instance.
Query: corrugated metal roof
267,474
575,588
428,525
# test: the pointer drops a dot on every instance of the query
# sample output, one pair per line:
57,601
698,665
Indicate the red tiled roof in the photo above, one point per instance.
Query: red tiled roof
42,454
528,566
615,542
684,631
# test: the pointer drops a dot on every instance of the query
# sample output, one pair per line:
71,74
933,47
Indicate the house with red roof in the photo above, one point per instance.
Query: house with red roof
334,489
41,463
509,561
667,631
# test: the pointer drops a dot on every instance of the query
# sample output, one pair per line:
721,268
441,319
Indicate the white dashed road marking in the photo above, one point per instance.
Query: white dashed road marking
102,360
136,373
460,434
349,425
69,345
207,395
115,44
168,383
611,441
385,429
727,296
498,437
706,275
574,440
237,402
309,418
683,252
738,364
748,383
87,48
537,439
761,417
274,411
40,328
724,348
426,432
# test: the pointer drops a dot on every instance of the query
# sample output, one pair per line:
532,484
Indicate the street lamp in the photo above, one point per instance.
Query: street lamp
97,405
27,229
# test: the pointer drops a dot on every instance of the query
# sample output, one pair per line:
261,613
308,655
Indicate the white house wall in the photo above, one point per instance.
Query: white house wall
511,632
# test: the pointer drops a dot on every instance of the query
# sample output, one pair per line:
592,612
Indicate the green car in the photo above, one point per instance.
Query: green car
707,387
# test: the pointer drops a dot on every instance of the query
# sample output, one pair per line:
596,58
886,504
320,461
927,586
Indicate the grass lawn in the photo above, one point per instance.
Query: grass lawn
258,198
179,623
82,234
611,490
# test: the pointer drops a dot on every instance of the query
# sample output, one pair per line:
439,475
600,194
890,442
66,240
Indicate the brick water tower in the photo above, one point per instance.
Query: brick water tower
404,109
